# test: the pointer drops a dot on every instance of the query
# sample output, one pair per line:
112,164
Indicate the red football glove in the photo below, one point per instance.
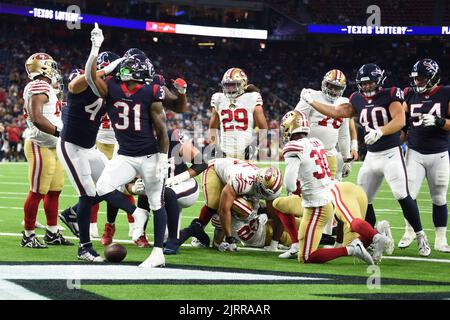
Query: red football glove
180,85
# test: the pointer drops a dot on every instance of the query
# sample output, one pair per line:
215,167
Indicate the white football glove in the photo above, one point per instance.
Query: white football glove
373,136
306,96
110,67
97,36
430,120
229,245
346,169
138,187
162,168
263,219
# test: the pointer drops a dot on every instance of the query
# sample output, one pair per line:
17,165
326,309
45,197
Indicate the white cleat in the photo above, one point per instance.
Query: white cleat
357,250
424,246
291,253
196,243
140,218
407,239
442,247
93,230
156,259
384,228
380,241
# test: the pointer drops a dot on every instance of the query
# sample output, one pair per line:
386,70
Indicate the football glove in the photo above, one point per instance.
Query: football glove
180,85
306,96
263,218
138,187
179,178
430,120
97,36
230,244
373,136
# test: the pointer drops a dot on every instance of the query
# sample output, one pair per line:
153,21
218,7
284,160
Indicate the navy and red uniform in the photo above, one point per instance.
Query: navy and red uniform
374,113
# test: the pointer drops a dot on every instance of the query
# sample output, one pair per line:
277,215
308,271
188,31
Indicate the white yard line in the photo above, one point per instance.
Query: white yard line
12,291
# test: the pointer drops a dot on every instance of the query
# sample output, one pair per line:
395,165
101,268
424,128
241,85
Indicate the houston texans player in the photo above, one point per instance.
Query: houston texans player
428,111
135,109
81,160
380,112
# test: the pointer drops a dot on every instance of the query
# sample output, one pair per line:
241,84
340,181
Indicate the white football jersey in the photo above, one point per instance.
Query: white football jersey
327,129
306,161
250,232
236,120
106,133
51,110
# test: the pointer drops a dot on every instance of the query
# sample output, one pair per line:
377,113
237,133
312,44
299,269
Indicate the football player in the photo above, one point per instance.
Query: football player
46,175
428,109
306,162
135,110
381,113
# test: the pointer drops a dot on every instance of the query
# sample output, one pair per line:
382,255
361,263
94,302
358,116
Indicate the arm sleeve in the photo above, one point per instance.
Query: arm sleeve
344,139
291,173
259,100
39,87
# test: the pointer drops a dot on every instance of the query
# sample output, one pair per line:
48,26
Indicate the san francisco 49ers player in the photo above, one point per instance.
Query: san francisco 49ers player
381,113
428,107
46,174
306,162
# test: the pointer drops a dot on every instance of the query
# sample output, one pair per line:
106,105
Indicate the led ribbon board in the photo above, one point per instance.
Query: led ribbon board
382,30
162,27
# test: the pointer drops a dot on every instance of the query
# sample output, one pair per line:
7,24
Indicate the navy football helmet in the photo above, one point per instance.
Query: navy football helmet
74,73
370,73
132,51
425,75
105,58
136,68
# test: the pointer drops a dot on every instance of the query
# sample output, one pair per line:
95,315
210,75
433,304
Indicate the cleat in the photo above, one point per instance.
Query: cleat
93,230
171,247
156,259
380,242
142,242
424,246
56,239
87,253
291,253
31,242
271,248
384,228
196,243
140,218
444,247
360,252
199,233
108,234
69,218
408,237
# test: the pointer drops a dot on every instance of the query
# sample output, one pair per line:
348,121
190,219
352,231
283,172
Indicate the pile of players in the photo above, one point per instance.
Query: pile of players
243,201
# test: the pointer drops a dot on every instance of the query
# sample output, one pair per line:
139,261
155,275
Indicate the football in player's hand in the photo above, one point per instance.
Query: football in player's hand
115,252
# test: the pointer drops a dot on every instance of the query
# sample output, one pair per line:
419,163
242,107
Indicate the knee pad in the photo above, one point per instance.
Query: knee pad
439,199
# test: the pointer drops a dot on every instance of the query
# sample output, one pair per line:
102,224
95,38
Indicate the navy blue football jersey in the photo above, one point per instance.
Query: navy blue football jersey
177,165
427,140
374,113
130,118
81,118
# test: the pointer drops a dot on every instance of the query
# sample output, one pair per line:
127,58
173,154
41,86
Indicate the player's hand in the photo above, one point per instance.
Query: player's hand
230,244
430,120
354,150
138,187
180,85
306,96
97,36
162,168
263,218
113,65
346,169
373,136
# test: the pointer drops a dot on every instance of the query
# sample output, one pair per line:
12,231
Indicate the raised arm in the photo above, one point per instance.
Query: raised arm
344,110
97,84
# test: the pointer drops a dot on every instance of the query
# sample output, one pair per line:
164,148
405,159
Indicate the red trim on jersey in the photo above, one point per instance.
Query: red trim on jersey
432,91
392,91
132,91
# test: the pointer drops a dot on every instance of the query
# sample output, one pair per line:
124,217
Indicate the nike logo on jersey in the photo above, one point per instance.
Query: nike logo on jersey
150,156
390,156
442,157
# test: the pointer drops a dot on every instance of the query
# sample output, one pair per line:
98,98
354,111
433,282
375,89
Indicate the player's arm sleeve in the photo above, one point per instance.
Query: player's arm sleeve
344,139
291,173
97,85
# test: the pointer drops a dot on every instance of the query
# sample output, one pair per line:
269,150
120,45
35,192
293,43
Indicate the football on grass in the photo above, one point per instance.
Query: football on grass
115,252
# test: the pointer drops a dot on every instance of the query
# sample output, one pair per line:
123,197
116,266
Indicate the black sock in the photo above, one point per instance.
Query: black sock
159,226
440,215
173,213
411,212
83,218
370,215
119,200
185,234
143,202
111,213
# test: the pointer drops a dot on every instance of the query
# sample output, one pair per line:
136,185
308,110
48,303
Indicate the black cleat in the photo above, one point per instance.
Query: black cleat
31,242
87,253
56,239
171,247
69,218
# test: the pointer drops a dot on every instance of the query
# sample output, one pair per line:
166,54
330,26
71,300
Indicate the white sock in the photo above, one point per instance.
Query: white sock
420,233
53,229
274,243
350,250
440,235
295,246
29,232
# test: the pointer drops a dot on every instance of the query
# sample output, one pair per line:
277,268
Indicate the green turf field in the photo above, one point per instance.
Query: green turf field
206,274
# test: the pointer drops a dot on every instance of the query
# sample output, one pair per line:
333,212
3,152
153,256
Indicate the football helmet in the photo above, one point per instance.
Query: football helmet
268,181
105,58
425,75
370,73
136,68
334,84
234,82
294,122
42,64
132,51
